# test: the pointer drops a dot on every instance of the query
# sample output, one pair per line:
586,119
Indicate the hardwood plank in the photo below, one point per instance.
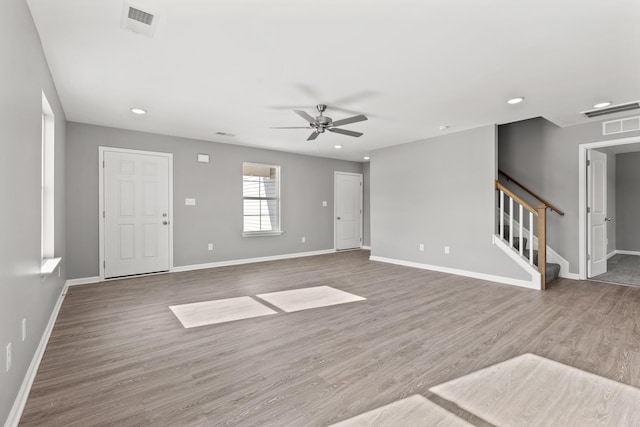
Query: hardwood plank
118,356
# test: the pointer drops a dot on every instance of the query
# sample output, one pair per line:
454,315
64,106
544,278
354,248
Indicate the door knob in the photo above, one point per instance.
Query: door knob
338,217
165,222
607,218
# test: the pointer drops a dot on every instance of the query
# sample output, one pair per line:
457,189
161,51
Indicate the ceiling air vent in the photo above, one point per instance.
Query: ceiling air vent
138,20
612,110
629,124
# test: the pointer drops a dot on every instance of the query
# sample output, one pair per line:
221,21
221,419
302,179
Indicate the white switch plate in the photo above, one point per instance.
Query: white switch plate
190,202
8,357
24,329
304,239
324,203
446,249
421,246
210,246
203,158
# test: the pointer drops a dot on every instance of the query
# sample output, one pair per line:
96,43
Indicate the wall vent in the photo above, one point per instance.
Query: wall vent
138,20
629,124
612,110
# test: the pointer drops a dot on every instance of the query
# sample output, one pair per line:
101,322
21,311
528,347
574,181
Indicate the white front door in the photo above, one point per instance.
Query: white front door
348,203
597,213
136,212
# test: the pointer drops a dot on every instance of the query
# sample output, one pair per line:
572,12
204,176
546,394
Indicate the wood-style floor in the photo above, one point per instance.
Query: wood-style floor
118,355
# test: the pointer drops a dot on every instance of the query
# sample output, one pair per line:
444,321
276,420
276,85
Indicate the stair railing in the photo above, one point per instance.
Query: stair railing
541,213
546,203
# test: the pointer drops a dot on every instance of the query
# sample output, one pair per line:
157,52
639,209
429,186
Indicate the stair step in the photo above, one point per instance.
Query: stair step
553,269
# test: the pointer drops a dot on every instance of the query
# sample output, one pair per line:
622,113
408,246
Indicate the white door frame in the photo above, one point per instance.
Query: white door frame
582,195
335,207
101,151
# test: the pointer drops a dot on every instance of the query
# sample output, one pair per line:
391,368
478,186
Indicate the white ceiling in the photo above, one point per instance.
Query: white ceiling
240,66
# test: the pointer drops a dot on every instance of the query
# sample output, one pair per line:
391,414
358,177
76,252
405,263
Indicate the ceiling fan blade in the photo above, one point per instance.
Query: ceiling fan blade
313,136
348,120
345,132
305,116
289,127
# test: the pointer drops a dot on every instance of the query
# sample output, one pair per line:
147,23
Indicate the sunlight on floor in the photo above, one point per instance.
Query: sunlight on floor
530,390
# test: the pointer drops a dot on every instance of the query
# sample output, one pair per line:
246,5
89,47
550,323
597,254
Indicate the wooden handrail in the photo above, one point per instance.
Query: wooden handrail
516,198
547,204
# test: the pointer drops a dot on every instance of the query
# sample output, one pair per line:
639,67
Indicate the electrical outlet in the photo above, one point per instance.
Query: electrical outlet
24,329
446,250
304,239
8,357
210,246
190,202
421,246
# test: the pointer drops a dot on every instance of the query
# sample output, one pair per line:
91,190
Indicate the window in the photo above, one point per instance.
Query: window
261,199
47,184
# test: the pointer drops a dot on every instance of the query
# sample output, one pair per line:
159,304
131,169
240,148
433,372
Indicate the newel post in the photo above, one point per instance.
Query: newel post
542,243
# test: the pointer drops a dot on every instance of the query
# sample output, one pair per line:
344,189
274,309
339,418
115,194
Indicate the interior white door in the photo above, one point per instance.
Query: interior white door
348,202
597,212
136,213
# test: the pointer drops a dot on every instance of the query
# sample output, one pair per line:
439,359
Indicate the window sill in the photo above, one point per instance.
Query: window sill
261,233
48,266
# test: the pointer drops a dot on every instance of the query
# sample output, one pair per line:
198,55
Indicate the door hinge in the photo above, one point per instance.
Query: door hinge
103,214
588,209
104,264
588,162
103,164
588,257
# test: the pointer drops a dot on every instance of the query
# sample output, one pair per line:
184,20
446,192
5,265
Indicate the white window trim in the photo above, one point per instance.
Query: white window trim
48,262
270,232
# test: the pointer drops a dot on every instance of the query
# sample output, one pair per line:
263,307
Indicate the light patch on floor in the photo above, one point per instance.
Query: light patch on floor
412,411
219,311
303,299
530,390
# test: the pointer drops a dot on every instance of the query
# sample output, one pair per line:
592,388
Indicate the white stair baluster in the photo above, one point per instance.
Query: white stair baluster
530,238
501,215
510,222
520,246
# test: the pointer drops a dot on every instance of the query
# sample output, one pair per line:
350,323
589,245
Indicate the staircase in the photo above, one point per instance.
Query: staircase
514,213
552,269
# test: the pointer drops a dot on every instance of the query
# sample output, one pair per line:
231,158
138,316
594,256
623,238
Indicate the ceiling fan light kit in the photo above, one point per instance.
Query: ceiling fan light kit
323,123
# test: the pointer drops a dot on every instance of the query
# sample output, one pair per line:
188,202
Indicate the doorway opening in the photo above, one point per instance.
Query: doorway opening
601,256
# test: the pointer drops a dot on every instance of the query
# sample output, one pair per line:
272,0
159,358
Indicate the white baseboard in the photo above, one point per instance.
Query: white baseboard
250,260
466,273
366,247
83,281
25,388
623,252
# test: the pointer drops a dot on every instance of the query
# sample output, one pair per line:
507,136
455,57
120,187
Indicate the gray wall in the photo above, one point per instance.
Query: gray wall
544,157
217,188
438,192
628,202
366,204
23,76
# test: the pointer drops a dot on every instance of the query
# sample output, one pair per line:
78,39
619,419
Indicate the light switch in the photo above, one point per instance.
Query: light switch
324,203
203,158
190,202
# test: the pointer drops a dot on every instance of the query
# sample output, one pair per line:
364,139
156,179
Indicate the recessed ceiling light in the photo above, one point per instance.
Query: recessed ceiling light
337,147
138,111
366,157
517,100
601,104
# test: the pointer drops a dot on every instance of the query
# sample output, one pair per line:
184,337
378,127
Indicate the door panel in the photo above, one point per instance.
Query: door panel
348,211
136,213
597,203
